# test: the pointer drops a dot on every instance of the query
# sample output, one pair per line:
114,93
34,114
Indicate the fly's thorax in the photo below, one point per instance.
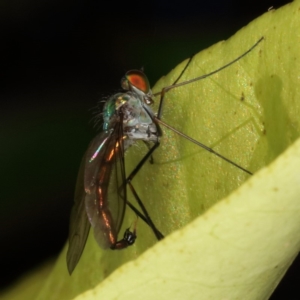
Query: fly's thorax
143,132
111,107
135,111
137,116
137,120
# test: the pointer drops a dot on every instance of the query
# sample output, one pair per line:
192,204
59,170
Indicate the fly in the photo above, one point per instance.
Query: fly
100,195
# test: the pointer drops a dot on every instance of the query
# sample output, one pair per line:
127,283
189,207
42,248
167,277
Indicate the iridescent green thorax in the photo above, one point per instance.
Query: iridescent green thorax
110,108
108,111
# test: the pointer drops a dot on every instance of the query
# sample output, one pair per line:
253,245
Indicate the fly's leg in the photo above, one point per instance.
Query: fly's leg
165,89
151,160
145,214
140,215
176,84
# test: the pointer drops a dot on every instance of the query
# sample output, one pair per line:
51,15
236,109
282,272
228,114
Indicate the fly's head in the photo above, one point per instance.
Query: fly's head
137,82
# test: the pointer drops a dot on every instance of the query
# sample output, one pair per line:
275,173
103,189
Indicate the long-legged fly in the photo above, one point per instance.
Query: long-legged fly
101,196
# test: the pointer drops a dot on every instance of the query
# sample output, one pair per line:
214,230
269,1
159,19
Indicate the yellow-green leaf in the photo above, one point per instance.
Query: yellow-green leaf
235,248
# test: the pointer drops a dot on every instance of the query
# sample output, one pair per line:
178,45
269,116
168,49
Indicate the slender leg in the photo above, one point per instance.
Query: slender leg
164,90
151,160
145,214
157,233
176,84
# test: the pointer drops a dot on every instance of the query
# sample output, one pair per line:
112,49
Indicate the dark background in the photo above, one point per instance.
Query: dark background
58,59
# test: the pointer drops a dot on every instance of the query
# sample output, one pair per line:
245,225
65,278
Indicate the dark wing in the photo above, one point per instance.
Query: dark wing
104,174
79,223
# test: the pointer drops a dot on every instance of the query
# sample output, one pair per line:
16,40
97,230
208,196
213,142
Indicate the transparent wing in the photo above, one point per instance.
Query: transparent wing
79,223
105,186
93,159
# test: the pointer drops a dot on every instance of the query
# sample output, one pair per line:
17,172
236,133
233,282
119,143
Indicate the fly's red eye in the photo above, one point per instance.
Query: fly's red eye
138,80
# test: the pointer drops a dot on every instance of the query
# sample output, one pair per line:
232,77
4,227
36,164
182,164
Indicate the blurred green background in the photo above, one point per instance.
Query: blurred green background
58,60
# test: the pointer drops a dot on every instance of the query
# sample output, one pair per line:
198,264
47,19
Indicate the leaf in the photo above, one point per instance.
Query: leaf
239,249
239,246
